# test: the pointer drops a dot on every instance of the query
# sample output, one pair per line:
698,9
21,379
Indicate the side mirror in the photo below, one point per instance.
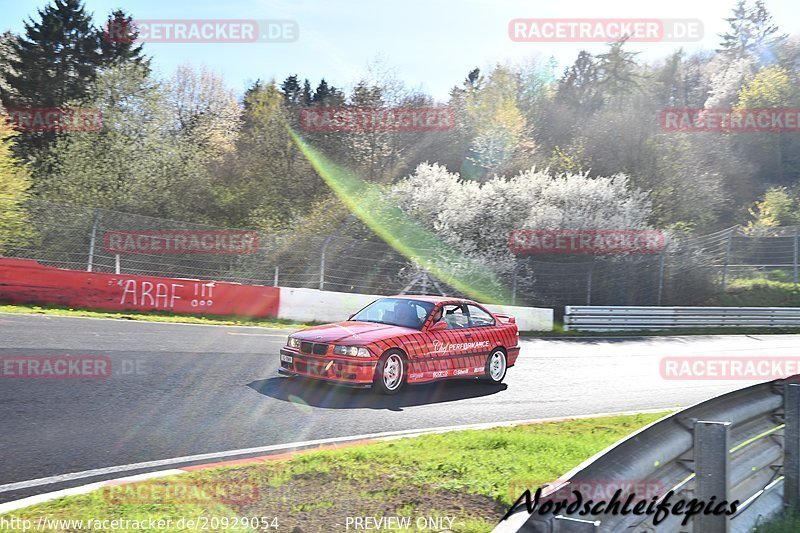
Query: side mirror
439,326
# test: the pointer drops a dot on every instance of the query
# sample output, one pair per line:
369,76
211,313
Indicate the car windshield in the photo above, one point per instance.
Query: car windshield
397,312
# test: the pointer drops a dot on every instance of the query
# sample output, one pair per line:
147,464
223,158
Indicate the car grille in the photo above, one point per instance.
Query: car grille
320,349
315,348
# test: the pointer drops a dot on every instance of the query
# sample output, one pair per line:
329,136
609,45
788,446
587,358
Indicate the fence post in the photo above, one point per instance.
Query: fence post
712,473
92,239
791,445
727,258
514,282
322,262
794,262
275,279
117,264
589,284
661,274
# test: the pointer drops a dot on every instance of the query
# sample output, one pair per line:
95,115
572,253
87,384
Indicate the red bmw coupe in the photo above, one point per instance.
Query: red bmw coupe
405,339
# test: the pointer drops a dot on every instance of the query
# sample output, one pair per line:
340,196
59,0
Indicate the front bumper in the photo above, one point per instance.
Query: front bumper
344,370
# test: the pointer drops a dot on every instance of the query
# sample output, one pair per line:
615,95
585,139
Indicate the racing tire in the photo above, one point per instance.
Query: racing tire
390,373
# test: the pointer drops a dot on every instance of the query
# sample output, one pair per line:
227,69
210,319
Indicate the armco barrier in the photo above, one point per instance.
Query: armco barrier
616,318
23,281
744,445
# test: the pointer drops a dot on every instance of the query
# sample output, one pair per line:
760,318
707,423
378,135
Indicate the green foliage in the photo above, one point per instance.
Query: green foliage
776,208
138,162
14,185
758,293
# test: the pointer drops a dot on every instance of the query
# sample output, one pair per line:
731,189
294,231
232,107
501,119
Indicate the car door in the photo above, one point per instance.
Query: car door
481,337
437,362
457,338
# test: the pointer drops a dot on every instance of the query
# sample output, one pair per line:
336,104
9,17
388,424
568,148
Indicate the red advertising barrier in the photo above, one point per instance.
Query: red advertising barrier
25,281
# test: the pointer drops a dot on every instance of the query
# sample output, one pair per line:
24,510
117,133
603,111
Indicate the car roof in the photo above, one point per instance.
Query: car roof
429,298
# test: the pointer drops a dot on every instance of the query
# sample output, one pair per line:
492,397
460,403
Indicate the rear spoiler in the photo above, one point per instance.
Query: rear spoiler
507,318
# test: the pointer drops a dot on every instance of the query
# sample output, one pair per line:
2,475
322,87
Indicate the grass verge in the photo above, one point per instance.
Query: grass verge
786,523
153,316
469,477
758,293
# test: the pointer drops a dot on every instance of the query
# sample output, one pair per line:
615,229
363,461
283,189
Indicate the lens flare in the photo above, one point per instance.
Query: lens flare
369,203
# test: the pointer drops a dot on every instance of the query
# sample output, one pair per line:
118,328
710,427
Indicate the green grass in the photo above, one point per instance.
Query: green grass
152,316
471,476
788,523
758,293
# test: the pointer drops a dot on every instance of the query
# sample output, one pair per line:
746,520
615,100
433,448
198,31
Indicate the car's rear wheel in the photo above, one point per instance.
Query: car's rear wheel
496,366
390,373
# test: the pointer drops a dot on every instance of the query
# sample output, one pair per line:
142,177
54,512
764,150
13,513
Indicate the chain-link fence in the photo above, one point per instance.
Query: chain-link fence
686,272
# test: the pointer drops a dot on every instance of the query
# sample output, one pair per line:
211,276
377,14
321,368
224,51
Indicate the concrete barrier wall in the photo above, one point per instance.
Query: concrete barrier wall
308,305
313,305
528,318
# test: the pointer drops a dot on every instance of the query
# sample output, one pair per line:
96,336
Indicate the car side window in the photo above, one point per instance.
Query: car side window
456,317
478,317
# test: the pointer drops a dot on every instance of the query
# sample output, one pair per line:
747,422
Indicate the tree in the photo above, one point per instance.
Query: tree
617,74
268,183
57,58
7,57
140,161
773,152
327,95
501,135
292,92
775,208
477,217
207,112
751,32
14,185
578,87
118,42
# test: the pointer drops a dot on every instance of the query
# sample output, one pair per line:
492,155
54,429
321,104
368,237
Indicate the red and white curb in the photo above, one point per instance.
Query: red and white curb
273,453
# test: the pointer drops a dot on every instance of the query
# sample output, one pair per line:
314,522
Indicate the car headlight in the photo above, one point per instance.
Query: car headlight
293,343
352,351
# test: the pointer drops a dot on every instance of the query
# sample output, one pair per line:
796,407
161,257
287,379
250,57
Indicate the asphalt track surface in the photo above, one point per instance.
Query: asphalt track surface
177,390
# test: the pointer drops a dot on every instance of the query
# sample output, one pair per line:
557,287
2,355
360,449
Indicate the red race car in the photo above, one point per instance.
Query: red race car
405,339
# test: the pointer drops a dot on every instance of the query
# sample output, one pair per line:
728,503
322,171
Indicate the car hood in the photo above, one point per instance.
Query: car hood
356,333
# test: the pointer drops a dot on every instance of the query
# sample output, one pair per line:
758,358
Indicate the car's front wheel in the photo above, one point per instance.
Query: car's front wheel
496,366
390,373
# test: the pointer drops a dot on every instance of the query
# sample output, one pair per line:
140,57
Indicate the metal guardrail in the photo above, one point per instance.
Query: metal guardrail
744,445
615,318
